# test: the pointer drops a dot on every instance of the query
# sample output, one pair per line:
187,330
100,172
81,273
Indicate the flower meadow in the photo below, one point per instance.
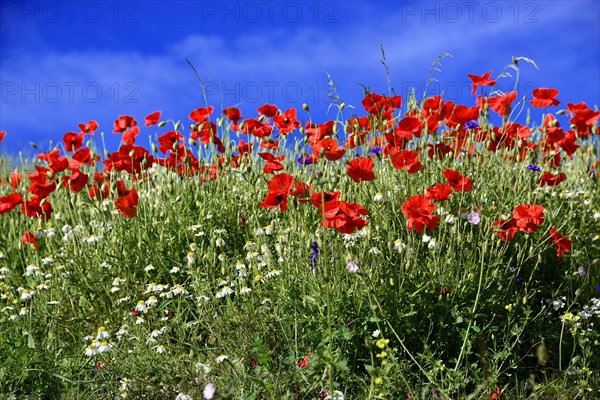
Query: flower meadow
407,249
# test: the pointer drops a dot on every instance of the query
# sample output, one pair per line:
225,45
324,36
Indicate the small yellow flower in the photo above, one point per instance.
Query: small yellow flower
381,343
378,380
508,307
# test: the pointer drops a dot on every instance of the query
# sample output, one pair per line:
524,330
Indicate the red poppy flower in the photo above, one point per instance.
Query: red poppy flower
99,193
303,363
505,230
418,210
167,140
131,159
245,148
57,163
200,115
321,198
563,244
256,128
76,182
528,217
126,204
267,110
269,143
502,104
15,179
544,97
461,115
440,150
407,128
375,103
281,183
549,179
89,128
287,121
457,181
29,238
34,208
302,192
73,141
129,135
234,115
274,200
152,119
407,160
83,156
483,80
497,395
2,134
123,123
330,148
441,192
10,202
361,169
567,143
583,118
42,190
343,216
317,132
273,163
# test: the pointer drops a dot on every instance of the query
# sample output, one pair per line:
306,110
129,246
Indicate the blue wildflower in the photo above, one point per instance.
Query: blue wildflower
533,167
518,280
313,256
376,150
471,125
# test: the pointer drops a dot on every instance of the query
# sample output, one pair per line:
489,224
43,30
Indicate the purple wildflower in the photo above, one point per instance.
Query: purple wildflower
581,271
352,267
474,218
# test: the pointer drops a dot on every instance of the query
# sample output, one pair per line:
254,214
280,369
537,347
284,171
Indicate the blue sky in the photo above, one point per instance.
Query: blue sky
62,63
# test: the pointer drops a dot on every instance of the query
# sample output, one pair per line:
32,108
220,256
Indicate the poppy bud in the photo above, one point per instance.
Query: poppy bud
261,118
561,112
106,154
192,142
186,159
595,129
177,125
342,106
144,162
174,146
162,123
154,148
194,127
305,107
131,153
220,121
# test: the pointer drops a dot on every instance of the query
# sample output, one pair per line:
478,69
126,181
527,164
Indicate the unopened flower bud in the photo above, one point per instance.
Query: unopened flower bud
154,148
305,107
162,123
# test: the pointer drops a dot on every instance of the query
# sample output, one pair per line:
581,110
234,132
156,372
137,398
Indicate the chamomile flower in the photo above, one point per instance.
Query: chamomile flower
221,358
152,301
102,333
27,294
141,306
245,290
160,349
117,281
104,347
148,267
